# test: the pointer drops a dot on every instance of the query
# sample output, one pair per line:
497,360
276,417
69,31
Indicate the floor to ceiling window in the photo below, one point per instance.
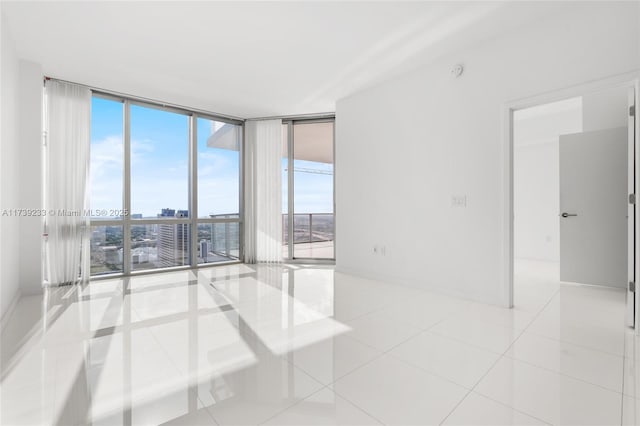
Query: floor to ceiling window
218,196
308,190
106,193
165,187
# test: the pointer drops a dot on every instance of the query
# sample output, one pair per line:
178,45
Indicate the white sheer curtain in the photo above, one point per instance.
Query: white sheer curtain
66,173
263,191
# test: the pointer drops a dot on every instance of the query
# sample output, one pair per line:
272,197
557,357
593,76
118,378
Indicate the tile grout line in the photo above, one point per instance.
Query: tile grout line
387,353
472,344
328,386
354,404
314,393
381,354
191,388
576,344
499,359
377,356
322,385
294,404
559,373
511,408
427,330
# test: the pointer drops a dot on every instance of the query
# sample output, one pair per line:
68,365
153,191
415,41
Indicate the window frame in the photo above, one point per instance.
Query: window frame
127,221
290,123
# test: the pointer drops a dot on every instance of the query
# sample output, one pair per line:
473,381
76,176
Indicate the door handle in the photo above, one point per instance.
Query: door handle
568,214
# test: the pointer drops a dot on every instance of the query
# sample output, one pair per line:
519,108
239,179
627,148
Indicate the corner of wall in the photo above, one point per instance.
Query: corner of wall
20,161
30,153
9,236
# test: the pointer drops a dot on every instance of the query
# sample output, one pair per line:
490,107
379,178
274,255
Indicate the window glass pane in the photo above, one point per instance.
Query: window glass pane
107,158
218,242
159,161
159,245
313,190
159,155
106,249
218,169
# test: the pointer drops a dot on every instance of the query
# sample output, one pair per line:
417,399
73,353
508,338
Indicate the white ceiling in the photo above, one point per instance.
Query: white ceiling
251,59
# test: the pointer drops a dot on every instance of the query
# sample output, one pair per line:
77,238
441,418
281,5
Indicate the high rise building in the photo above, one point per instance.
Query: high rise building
167,213
204,249
173,240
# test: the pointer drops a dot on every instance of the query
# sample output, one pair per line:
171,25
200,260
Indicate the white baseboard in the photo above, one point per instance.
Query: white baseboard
388,279
419,284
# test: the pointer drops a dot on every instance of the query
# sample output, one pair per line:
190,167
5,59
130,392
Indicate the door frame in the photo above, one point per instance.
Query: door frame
290,123
629,80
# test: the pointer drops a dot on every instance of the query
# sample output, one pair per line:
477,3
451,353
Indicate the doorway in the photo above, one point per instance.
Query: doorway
308,212
572,185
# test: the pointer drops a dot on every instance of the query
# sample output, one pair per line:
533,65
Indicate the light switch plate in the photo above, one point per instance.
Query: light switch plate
459,201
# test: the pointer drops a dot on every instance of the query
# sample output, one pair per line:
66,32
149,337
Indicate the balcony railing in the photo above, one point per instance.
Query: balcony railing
309,228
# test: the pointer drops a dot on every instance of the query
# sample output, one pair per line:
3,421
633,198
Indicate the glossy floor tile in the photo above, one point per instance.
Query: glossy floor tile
377,330
424,310
482,334
395,392
298,345
323,408
596,367
257,393
330,359
476,409
456,361
570,320
551,397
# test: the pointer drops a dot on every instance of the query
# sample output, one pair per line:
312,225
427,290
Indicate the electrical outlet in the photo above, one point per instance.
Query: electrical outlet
383,250
375,250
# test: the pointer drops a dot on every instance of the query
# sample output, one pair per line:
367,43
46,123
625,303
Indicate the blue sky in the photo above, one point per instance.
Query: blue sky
159,166
313,193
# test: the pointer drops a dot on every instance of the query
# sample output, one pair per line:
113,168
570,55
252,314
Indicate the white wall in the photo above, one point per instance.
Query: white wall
9,226
606,109
20,174
30,175
536,202
404,148
536,177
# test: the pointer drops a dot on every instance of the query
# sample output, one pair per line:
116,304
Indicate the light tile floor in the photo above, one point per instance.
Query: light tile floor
296,345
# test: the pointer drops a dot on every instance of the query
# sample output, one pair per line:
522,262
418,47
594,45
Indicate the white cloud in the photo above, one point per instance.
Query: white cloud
106,171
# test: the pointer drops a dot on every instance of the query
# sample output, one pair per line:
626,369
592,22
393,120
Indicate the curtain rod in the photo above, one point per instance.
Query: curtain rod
148,100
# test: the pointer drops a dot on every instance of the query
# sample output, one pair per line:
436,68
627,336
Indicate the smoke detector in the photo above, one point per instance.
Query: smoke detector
457,70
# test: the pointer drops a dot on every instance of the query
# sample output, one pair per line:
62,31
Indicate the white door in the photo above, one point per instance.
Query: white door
631,209
593,207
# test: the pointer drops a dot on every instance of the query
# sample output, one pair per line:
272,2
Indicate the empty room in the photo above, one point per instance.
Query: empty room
319,212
